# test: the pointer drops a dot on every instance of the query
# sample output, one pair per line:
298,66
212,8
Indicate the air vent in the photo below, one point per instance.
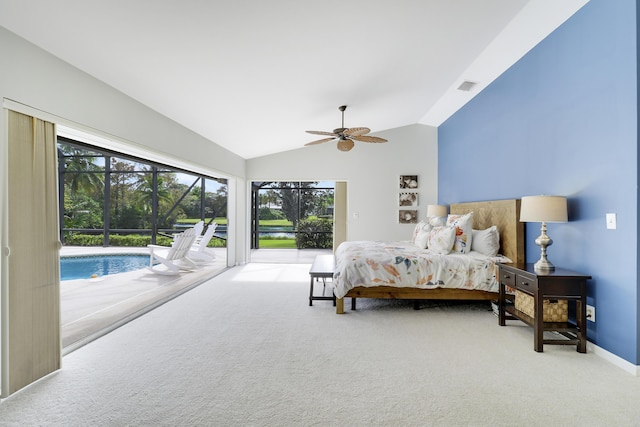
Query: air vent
466,85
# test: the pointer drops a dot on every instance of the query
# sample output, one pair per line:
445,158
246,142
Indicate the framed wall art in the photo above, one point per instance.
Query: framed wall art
409,182
408,200
408,216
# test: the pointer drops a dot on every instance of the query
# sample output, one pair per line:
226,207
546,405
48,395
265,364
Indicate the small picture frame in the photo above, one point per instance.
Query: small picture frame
408,216
409,182
408,200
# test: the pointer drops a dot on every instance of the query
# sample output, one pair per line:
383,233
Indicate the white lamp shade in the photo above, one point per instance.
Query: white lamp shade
543,209
437,211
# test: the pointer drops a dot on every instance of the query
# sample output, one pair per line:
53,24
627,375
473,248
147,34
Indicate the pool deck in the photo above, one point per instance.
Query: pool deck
92,307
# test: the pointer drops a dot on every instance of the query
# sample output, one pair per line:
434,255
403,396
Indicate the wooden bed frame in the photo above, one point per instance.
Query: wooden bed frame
505,214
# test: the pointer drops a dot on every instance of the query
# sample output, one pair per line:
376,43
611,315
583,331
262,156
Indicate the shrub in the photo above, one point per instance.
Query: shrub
130,240
268,213
316,233
83,239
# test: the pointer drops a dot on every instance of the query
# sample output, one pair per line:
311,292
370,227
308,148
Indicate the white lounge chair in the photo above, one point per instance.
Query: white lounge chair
197,228
174,258
198,251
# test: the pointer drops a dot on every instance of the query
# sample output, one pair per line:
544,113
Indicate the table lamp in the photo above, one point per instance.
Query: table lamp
543,209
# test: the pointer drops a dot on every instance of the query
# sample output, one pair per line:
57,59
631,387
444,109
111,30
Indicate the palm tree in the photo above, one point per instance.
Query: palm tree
81,171
144,192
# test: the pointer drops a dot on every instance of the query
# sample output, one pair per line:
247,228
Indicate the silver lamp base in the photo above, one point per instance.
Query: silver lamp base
543,264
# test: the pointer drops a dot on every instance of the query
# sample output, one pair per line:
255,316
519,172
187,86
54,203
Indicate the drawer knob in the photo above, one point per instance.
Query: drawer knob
506,276
525,284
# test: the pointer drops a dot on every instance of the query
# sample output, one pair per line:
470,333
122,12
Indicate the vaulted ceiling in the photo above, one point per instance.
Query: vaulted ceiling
253,75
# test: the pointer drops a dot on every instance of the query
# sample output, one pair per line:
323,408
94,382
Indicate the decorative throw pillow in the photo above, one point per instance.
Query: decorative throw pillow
464,235
437,221
441,239
487,242
421,226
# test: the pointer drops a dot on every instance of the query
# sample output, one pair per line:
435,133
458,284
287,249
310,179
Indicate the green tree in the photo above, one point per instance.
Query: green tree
122,185
83,189
81,211
295,207
216,203
144,194
82,173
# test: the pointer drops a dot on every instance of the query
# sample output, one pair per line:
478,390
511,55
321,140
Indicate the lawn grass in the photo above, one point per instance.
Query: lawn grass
277,244
192,221
275,223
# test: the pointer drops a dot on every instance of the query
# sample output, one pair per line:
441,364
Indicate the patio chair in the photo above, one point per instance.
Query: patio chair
198,252
197,228
174,258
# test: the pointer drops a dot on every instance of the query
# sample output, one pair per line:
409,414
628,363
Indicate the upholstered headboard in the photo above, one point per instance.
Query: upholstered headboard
504,214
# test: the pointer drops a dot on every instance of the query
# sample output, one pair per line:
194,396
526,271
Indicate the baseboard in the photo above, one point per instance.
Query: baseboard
613,359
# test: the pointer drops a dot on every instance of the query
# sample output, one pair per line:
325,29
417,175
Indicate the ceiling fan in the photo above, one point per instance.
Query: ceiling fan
345,136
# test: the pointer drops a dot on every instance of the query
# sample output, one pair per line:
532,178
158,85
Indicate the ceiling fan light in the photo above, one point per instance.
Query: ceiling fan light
345,144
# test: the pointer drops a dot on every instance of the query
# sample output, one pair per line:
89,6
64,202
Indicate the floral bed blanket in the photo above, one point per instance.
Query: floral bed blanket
403,264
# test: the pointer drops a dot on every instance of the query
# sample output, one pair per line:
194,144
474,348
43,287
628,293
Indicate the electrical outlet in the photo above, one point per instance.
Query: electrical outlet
591,313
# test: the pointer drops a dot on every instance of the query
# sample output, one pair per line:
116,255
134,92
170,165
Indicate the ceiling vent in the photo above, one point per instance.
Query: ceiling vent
466,85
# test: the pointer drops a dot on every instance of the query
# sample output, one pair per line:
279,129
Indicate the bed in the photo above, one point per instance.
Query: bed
470,277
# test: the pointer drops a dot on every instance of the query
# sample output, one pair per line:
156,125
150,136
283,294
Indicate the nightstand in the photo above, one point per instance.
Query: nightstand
559,284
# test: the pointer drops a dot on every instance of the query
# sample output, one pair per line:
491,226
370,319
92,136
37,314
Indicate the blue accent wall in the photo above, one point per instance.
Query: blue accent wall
564,121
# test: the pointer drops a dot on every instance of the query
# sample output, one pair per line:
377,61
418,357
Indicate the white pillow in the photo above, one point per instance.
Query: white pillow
421,226
437,221
487,242
422,239
441,239
464,235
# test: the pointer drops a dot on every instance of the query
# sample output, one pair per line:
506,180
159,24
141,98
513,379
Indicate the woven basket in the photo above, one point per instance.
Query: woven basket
553,310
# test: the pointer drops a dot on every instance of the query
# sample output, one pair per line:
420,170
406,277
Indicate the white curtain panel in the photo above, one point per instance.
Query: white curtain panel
33,288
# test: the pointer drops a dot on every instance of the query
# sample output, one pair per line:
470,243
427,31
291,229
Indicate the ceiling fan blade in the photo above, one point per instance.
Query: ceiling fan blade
320,141
356,131
345,144
320,132
368,138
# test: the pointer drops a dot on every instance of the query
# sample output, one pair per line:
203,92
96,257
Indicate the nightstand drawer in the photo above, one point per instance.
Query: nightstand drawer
525,282
507,278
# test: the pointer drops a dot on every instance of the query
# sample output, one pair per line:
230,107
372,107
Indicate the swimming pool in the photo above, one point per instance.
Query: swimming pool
83,267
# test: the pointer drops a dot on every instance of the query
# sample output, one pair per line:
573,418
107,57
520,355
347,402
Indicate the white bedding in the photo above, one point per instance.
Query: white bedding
403,264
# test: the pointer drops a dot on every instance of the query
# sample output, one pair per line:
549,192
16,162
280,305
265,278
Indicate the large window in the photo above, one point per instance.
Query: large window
110,199
292,214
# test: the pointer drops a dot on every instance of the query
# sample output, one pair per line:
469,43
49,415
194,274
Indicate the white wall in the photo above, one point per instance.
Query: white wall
372,174
33,77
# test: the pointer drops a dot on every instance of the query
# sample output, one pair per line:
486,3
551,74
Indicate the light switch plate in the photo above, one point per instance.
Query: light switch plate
611,221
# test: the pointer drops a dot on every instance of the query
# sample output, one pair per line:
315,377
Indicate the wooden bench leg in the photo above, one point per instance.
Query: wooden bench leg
339,305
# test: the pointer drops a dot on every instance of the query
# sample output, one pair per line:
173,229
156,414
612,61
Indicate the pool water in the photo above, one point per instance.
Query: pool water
83,267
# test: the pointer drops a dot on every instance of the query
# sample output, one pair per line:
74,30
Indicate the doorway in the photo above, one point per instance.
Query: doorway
292,221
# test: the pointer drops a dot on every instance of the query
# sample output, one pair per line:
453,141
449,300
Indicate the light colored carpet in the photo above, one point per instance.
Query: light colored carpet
245,348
